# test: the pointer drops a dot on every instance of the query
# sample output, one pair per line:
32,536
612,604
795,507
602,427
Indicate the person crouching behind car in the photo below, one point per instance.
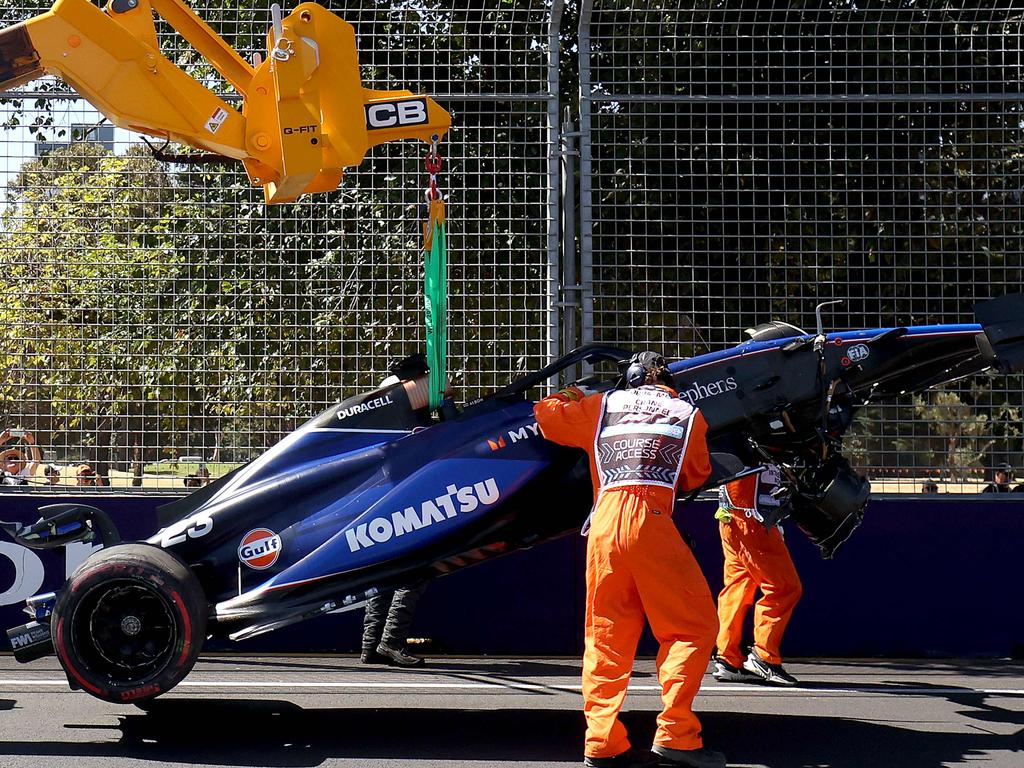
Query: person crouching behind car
386,625
644,444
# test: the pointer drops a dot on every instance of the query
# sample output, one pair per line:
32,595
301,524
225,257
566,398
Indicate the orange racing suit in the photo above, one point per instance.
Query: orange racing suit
755,557
644,444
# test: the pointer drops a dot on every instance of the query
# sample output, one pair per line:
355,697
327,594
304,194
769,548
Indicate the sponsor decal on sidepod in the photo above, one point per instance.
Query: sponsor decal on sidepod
369,405
259,548
515,435
698,391
456,501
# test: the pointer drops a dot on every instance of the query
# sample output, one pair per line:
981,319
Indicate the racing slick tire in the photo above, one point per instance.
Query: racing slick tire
129,623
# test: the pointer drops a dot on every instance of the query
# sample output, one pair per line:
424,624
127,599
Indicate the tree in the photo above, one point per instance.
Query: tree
116,309
959,433
86,264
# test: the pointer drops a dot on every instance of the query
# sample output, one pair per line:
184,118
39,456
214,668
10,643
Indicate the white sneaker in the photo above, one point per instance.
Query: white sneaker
770,673
727,673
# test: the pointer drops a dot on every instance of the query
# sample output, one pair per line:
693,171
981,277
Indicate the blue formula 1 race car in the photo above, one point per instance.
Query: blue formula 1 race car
377,492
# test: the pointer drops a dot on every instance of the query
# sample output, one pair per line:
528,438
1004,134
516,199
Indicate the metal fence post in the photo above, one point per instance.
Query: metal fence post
570,298
586,235
554,170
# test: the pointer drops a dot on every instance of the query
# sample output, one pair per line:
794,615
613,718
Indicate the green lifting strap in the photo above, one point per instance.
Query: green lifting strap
435,290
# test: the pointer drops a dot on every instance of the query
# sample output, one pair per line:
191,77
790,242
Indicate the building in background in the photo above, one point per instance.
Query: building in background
98,134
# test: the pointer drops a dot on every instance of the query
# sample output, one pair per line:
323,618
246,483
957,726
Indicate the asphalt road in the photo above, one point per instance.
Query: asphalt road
325,711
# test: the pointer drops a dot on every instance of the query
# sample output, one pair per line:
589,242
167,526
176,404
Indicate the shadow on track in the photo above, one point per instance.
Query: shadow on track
440,664
977,701
994,668
281,733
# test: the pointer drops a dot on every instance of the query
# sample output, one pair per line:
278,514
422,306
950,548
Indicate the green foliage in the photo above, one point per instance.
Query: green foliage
114,307
799,171
86,262
959,433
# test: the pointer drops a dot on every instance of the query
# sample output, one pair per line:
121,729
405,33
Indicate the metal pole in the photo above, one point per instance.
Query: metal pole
586,168
570,282
554,201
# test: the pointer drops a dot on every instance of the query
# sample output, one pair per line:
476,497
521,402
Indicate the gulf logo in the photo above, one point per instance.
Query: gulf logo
259,548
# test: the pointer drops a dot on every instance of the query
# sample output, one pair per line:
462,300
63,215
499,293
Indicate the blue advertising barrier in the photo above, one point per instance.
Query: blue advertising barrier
921,577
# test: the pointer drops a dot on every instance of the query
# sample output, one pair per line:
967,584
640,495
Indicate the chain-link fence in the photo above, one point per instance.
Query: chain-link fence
157,317
736,164
742,163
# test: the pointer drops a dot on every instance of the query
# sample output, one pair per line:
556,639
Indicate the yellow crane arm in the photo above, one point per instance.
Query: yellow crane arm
305,115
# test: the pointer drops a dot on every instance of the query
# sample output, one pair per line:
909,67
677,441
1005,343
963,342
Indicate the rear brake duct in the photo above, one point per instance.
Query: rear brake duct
305,115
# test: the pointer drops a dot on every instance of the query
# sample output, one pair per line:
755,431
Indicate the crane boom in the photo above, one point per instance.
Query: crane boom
305,115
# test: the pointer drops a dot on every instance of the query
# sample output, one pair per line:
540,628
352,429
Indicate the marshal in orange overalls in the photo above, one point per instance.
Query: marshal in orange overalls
756,557
644,444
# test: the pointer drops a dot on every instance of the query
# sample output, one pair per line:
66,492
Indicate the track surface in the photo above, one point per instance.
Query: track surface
326,711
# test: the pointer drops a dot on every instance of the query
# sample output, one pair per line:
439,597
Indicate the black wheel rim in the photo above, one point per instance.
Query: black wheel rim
125,630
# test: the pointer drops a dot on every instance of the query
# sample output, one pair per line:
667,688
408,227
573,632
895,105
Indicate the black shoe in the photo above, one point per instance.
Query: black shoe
770,673
370,656
634,758
727,673
398,657
690,758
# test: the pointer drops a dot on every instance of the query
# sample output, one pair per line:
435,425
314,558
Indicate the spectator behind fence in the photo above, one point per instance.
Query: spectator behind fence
16,465
86,476
199,478
1003,474
52,472
929,486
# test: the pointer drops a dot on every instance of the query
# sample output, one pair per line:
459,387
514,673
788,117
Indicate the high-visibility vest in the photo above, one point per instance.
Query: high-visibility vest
752,495
642,437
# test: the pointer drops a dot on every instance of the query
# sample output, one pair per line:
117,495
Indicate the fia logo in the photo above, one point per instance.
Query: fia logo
859,352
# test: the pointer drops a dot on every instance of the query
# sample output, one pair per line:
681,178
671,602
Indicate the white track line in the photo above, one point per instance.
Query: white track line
753,690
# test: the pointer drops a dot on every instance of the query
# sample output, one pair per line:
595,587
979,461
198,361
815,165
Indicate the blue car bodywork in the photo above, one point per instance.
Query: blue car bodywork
357,507
368,498
377,493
